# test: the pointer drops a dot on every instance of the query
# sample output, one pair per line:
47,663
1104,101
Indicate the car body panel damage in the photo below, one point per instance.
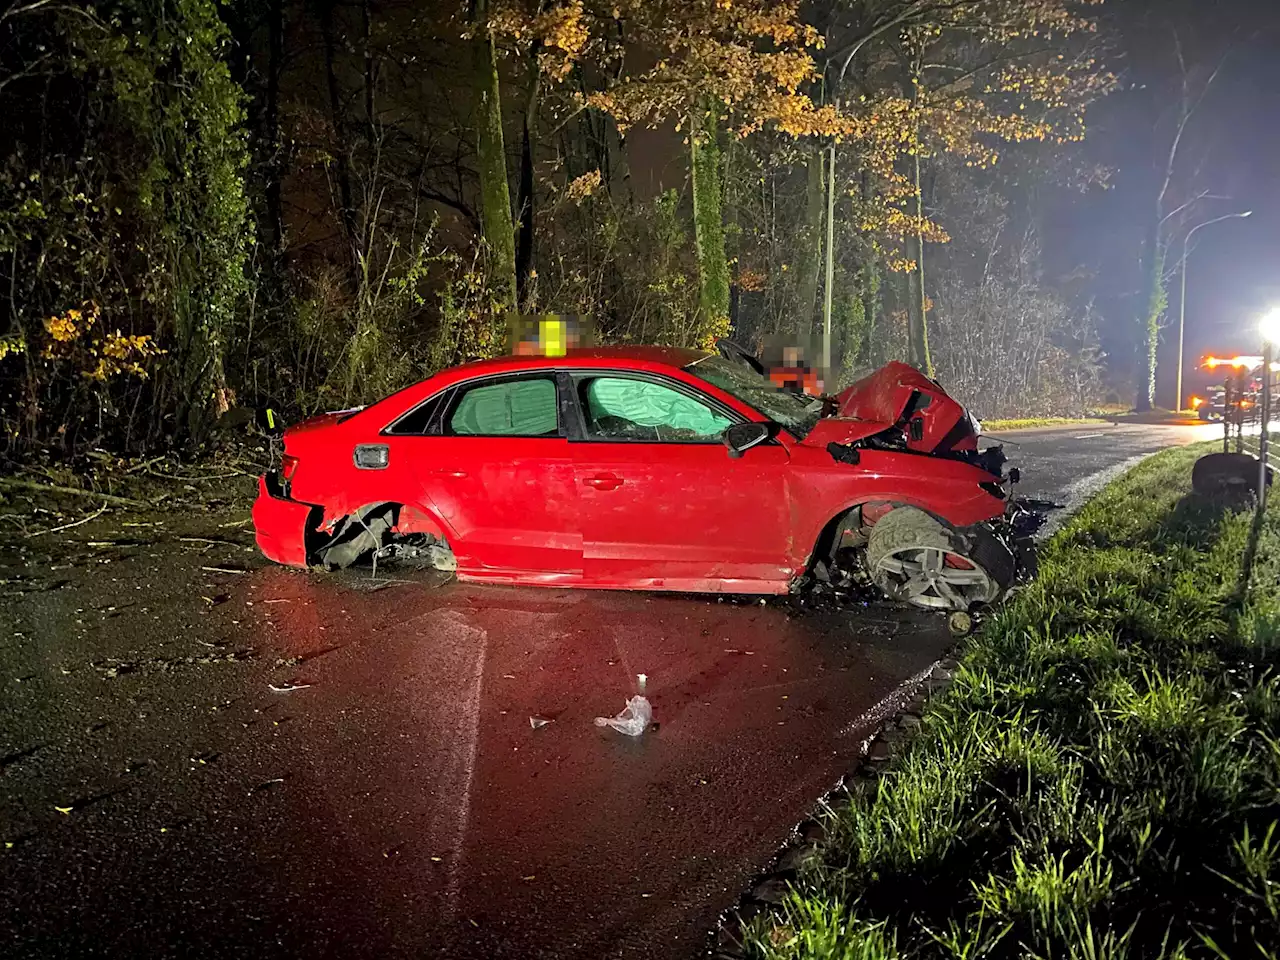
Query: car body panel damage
629,468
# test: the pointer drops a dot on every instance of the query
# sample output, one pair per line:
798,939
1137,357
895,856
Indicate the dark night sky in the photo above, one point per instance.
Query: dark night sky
1234,140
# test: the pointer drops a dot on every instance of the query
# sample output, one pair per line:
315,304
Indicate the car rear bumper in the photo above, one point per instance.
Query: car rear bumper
280,524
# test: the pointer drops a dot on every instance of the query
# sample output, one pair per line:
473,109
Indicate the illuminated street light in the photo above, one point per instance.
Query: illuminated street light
1182,300
1269,326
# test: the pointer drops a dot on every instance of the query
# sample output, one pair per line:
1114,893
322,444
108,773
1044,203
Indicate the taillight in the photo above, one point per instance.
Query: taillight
288,465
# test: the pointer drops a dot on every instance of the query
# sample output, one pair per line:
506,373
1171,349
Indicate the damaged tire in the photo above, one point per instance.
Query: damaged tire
369,533
358,535
917,559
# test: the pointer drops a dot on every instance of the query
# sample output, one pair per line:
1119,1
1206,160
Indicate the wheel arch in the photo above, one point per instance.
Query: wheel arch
394,519
828,539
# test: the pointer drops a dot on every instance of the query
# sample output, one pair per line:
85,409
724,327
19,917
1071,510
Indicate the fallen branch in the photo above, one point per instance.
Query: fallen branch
14,483
67,526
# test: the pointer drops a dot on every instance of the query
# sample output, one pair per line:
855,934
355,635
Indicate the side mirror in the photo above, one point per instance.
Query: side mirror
741,437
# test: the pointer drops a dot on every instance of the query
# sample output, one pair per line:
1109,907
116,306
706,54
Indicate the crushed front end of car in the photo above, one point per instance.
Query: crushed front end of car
956,553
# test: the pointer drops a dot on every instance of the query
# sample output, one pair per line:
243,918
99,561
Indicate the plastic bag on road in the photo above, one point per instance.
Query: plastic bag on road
633,720
635,716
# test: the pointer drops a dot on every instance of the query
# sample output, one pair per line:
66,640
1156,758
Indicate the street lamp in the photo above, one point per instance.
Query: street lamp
1269,327
1182,299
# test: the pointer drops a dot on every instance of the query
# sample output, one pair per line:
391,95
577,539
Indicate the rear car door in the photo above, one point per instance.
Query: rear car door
661,502
498,467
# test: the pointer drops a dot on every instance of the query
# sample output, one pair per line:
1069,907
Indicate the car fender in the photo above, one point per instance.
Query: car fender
948,490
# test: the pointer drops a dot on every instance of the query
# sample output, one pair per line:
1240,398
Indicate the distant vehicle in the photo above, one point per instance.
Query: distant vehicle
655,469
1246,392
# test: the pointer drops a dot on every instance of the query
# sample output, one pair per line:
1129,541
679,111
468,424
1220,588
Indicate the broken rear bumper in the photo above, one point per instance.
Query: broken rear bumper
280,524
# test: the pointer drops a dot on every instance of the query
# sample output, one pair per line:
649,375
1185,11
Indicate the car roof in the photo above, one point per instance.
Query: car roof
639,356
651,359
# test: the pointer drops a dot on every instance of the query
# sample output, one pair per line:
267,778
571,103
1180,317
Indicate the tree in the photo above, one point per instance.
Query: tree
495,194
939,76
133,219
1194,83
742,64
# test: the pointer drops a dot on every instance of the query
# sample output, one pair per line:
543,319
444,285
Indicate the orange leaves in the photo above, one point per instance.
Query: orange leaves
750,56
584,186
98,358
562,32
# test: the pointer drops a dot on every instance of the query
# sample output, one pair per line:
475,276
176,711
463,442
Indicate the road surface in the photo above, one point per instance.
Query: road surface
203,755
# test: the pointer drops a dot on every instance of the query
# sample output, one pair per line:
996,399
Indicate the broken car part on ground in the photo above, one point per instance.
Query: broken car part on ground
655,469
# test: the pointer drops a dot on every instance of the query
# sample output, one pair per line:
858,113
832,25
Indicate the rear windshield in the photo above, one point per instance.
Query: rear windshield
797,414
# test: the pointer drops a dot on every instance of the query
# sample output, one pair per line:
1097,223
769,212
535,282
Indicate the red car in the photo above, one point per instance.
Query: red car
651,468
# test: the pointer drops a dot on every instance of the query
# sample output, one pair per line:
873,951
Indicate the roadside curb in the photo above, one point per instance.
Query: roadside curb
768,890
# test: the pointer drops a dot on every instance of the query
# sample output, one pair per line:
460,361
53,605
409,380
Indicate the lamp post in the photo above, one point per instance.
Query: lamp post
1182,298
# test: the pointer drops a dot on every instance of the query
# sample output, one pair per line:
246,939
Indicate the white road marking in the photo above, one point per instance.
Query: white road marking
470,701
1089,436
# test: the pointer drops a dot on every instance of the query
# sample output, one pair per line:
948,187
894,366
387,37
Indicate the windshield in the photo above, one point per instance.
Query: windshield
797,414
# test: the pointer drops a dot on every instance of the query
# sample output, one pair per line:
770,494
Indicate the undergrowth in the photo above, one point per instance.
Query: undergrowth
1102,779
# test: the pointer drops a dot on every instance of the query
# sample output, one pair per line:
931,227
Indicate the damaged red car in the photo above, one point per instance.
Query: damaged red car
654,469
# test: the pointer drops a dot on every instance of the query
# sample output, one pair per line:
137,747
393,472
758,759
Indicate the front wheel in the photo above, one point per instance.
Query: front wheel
917,559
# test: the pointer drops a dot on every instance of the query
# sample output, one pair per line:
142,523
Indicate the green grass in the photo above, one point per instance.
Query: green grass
1026,423
1102,779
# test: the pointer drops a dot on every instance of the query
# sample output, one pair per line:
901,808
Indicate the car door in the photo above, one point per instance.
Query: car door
661,502
499,470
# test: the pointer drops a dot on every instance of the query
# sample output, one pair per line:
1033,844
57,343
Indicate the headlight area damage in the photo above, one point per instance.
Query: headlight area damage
910,554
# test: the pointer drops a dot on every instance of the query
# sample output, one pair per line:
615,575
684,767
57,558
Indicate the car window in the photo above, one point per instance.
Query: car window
620,408
511,408
416,422
795,413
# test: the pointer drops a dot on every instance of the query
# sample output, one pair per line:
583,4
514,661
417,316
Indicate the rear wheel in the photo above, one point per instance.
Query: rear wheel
917,559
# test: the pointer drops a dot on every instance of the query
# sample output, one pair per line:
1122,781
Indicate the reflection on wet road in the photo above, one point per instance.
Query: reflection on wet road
391,797
271,763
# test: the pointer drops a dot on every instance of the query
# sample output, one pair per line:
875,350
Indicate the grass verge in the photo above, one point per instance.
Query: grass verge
1026,423
1102,779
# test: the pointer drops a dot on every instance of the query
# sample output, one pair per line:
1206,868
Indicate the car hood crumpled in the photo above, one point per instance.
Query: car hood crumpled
843,430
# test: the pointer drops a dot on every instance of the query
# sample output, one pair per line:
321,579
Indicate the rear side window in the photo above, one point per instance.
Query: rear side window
417,421
618,408
512,408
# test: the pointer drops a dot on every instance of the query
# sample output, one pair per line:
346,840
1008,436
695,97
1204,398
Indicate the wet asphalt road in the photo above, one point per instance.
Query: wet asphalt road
269,763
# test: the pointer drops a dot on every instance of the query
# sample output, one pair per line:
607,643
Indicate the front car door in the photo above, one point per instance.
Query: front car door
497,466
662,504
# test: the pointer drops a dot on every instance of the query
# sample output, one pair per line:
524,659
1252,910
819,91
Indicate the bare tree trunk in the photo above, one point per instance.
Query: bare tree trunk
1154,300
495,193
917,322
867,351
708,223
271,122
525,225
342,171
811,263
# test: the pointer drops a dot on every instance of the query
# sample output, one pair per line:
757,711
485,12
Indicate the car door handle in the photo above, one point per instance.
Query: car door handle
603,481
456,474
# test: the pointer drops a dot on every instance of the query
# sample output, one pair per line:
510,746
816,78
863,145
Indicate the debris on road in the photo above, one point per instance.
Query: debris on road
537,722
287,688
635,716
